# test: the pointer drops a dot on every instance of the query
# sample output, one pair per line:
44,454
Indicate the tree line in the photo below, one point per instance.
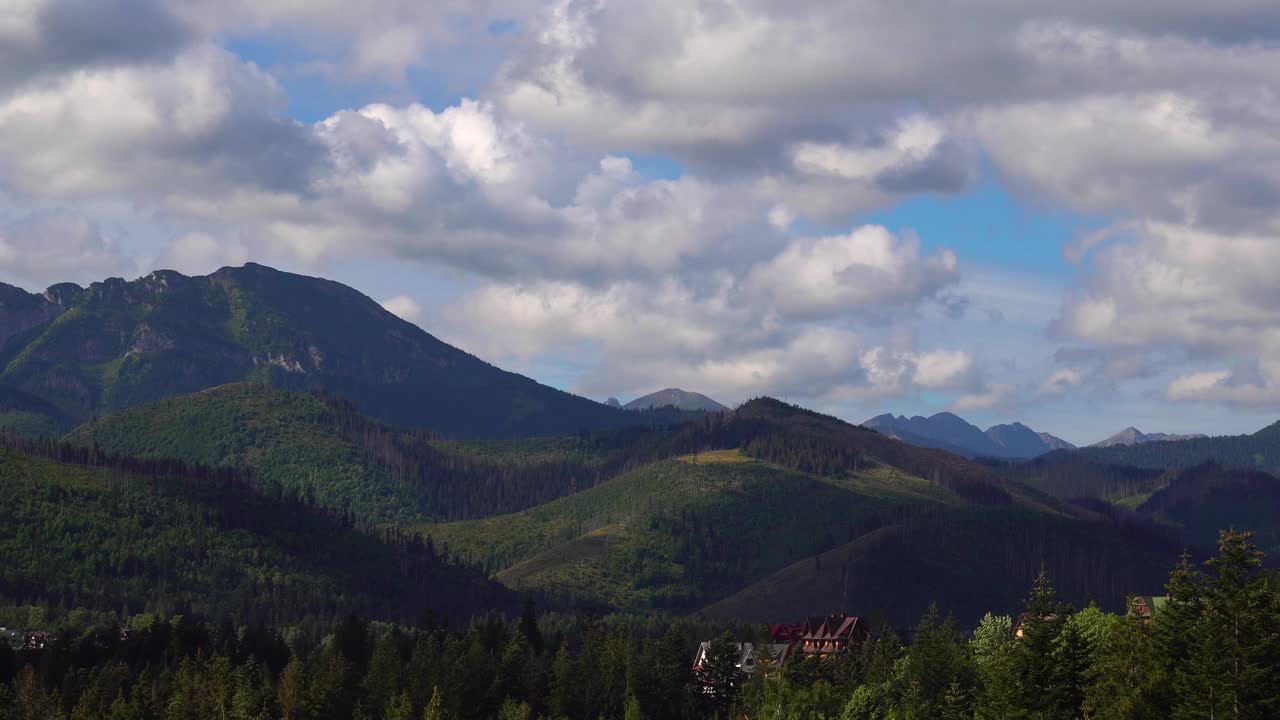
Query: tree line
1211,651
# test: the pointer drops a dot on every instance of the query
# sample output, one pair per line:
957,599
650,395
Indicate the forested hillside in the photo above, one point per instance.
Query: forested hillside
1259,451
81,529
318,445
770,488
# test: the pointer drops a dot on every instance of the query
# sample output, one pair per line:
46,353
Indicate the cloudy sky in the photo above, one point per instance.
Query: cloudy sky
1063,213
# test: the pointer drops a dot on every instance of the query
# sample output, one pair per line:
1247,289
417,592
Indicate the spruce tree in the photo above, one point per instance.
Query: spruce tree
435,707
1231,669
1041,624
720,674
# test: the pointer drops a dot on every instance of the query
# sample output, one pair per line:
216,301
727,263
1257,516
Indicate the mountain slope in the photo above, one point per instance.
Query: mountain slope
172,539
1018,440
1134,436
317,445
970,562
118,344
770,485
677,398
1259,451
1204,499
679,532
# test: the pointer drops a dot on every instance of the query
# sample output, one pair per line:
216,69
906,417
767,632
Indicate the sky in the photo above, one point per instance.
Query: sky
1066,214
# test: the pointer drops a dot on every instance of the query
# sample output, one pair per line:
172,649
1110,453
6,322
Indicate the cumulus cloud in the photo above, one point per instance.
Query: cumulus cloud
46,248
204,123
728,334
39,38
867,269
405,308
1172,288
1061,382
198,253
1158,119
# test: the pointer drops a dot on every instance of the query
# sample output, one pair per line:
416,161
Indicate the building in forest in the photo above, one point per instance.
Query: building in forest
831,635
751,656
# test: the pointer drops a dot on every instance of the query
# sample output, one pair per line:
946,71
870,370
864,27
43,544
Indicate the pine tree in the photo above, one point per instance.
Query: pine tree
633,711
401,708
382,682
1230,671
672,675
529,626
560,701
1041,623
721,675
435,707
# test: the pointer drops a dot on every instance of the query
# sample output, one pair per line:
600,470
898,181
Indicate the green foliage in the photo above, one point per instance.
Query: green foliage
204,542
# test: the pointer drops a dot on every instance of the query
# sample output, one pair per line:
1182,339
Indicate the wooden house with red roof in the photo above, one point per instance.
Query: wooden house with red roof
832,635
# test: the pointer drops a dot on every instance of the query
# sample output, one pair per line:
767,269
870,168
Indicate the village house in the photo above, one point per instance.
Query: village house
832,635
750,656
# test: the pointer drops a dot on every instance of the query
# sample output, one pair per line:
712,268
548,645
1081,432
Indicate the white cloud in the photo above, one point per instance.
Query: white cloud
1061,382
865,270
405,308
198,253
1197,385
46,248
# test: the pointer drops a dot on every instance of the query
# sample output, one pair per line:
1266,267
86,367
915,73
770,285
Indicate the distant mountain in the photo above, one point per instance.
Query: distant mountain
117,344
1134,436
1055,443
1258,451
677,398
950,432
613,402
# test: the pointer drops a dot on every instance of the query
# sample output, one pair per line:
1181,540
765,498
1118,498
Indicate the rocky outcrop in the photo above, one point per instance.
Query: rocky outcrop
21,311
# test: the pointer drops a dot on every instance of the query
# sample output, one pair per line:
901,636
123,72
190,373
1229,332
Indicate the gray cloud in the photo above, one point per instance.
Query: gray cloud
51,36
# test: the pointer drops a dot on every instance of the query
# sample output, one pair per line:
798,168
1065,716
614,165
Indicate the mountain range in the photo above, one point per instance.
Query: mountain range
952,433
259,423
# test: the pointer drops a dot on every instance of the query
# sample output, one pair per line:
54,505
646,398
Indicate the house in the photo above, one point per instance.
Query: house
750,656
36,640
787,634
832,635
1146,607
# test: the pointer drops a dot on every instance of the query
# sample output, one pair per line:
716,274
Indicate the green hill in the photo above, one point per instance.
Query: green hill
177,538
118,344
318,446
677,533
1202,500
771,486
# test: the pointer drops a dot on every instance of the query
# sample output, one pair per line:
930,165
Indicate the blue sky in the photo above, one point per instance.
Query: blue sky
1051,214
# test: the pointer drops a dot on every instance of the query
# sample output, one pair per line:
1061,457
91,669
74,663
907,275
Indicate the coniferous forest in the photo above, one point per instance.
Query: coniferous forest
1211,651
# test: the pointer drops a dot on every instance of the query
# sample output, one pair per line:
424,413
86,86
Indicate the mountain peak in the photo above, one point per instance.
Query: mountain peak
675,397
948,431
